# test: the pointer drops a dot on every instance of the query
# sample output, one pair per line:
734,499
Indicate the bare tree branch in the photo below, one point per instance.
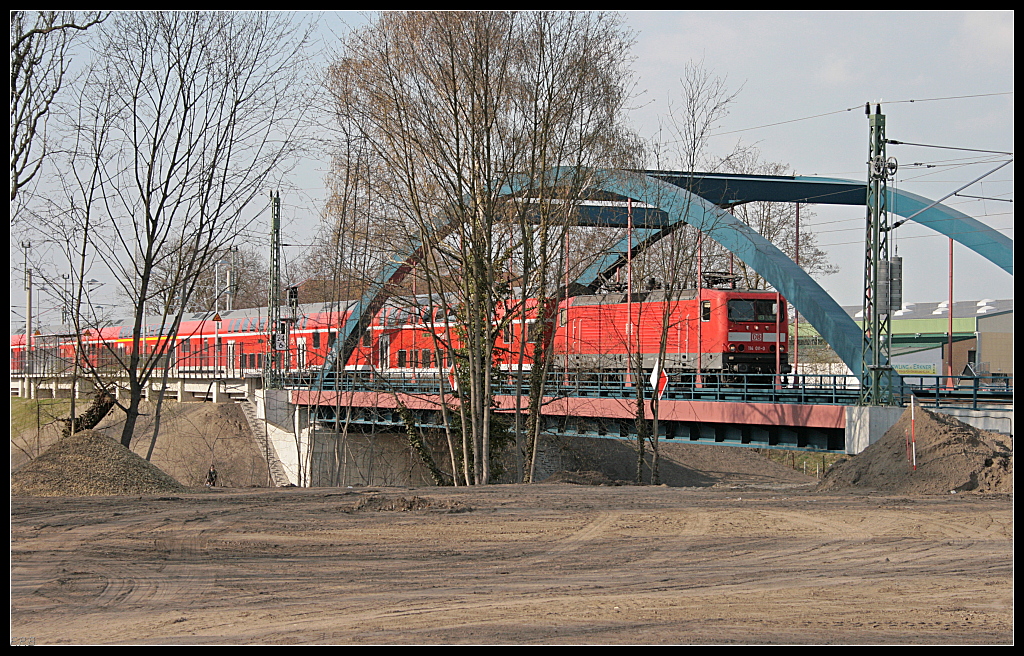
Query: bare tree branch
196,113
447,111
40,58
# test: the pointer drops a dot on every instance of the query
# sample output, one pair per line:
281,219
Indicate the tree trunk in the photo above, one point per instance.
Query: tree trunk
101,405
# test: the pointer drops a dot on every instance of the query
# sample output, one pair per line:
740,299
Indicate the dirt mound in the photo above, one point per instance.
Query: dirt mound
384,503
90,464
681,465
192,437
951,457
582,478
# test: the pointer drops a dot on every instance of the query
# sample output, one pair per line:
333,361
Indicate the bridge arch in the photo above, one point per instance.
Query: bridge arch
682,206
676,198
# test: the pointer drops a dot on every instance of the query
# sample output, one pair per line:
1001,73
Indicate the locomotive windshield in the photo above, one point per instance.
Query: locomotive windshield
752,310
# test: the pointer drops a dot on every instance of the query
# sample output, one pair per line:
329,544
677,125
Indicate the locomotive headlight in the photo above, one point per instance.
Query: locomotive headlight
732,348
741,348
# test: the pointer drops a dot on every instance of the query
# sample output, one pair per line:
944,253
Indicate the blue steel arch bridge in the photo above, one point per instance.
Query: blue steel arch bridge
804,417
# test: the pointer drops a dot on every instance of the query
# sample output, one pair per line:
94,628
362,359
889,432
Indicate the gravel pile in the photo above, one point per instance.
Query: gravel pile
89,463
951,457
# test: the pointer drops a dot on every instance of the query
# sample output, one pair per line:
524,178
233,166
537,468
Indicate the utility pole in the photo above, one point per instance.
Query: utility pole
65,303
231,279
28,309
949,344
796,313
876,371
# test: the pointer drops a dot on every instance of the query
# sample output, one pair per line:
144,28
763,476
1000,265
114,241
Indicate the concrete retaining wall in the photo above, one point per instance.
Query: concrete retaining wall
866,425
997,420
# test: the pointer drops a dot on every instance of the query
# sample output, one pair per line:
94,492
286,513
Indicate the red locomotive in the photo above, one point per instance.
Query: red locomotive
722,331
715,331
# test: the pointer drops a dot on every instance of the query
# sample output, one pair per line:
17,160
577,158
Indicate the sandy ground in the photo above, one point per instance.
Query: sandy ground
545,564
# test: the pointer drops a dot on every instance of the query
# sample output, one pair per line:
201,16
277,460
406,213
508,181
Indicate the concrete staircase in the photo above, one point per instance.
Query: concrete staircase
278,475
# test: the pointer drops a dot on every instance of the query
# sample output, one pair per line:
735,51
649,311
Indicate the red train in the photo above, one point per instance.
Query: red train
721,331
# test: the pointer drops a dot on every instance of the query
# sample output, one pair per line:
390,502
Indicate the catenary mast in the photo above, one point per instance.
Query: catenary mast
876,371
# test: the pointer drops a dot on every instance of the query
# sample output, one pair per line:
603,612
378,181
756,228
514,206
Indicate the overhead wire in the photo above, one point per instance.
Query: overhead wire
937,234
850,109
950,167
973,150
861,220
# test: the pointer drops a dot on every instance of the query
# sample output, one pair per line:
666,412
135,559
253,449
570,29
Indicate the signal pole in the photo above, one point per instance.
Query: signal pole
876,371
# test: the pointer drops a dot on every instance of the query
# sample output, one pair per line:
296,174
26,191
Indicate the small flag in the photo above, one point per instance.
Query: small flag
452,380
659,379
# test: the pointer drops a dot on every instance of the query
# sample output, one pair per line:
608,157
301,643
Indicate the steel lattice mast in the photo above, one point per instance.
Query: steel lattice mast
876,372
275,330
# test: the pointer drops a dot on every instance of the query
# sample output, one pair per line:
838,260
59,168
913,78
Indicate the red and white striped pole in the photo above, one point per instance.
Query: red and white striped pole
913,435
778,340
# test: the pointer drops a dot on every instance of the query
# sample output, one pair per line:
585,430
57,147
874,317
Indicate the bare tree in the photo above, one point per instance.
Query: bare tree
677,259
40,58
237,279
776,222
196,112
357,230
462,113
681,258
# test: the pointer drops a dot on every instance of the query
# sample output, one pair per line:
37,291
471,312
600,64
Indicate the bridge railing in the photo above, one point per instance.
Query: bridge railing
48,361
933,390
827,389
804,388
967,391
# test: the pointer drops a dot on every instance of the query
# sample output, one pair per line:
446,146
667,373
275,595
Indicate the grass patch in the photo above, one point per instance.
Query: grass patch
30,414
807,462
34,426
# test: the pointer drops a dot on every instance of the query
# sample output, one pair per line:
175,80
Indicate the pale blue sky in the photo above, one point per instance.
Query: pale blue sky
793,65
